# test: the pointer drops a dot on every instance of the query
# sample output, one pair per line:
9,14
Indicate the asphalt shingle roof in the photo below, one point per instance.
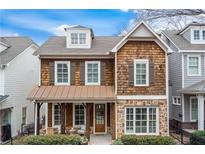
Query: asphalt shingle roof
56,45
3,97
16,46
198,87
181,42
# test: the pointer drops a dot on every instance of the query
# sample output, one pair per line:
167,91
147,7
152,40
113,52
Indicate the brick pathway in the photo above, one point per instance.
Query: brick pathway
100,139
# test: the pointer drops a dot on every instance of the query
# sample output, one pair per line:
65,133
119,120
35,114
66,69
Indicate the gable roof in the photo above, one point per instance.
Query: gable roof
56,45
138,24
180,42
16,46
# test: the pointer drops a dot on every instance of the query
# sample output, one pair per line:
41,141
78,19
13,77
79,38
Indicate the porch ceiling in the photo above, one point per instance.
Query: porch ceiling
72,93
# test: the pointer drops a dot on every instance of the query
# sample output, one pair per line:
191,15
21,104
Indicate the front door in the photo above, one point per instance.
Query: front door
100,118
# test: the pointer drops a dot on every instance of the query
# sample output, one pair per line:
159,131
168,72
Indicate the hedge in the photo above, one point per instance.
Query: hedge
197,138
146,140
57,139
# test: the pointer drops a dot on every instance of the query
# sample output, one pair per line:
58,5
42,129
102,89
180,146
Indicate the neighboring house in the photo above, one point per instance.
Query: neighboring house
187,76
19,70
104,84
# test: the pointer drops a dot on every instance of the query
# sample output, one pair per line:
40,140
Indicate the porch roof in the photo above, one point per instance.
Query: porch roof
197,88
72,93
3,97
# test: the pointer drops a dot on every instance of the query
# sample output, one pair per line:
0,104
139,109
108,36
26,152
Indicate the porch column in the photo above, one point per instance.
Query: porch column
88,110
200,111
112,119
37,118
62,118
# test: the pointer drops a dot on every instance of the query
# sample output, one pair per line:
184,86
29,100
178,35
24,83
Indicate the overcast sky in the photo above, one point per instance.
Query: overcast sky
40,24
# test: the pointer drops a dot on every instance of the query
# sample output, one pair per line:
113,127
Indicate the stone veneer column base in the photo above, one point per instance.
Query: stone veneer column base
161,104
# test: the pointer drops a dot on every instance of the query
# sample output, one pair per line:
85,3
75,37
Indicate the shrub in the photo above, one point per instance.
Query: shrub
147,140
52,140
197,138
117,142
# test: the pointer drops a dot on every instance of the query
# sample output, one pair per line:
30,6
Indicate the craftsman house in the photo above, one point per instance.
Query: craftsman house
187,76
103,84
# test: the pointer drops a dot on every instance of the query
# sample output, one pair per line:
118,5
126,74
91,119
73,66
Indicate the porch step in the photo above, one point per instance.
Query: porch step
100,139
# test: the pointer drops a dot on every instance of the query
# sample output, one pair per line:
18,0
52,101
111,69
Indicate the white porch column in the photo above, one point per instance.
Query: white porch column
35,119
200,111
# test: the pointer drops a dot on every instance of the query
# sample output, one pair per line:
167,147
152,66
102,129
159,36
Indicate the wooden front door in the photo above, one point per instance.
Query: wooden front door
100,118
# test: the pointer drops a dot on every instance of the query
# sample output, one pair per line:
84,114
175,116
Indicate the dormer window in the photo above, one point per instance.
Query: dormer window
78,38
196,34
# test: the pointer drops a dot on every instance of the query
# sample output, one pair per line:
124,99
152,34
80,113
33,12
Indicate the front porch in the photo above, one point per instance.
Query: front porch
85,110
193,108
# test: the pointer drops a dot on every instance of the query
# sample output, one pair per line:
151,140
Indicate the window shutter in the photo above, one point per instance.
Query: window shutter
72,73
102,73
51,72
82,73
131,74
151,72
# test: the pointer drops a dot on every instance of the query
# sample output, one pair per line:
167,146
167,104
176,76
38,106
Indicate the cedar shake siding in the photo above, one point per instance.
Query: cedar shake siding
125,68
77,72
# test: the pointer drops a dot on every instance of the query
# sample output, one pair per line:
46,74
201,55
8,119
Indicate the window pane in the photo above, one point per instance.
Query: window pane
129,120
203,34
193,65
79,115
74,38
82,38
92,73
140,120
57,115
196,34
194,109
152,120
141,74
62,73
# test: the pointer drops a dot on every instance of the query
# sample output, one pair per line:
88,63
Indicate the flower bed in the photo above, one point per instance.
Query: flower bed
197,138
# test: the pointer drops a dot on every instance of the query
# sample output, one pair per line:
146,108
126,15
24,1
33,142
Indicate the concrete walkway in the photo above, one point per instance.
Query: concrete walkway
96,139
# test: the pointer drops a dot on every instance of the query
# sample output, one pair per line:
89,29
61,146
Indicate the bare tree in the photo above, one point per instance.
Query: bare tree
168,19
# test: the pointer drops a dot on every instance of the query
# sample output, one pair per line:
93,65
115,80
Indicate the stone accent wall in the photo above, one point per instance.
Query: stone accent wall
161,104
108,71
141,50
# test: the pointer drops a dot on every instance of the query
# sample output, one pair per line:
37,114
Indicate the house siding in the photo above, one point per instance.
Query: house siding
141,50
190,80
21,74
108,72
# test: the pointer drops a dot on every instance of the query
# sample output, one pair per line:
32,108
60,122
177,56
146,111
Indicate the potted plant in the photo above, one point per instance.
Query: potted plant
84,140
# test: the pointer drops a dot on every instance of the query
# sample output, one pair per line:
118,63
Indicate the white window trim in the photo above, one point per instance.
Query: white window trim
53,124
74,125
62,62
190,106
141,61
199,67
177,97
157,120
201,40
86,71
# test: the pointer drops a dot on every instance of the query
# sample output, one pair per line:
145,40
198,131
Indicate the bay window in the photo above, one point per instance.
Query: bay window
141,120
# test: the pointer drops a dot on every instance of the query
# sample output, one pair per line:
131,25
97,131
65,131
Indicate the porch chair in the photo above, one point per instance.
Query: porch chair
81,131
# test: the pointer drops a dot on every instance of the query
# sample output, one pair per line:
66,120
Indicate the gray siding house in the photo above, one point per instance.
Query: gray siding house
187,76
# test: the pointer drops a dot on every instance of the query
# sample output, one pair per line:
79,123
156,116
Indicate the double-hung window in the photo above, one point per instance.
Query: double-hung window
74,38
193,108
56,115
79,115
141,120
141,72
92,72
194,65
62,73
